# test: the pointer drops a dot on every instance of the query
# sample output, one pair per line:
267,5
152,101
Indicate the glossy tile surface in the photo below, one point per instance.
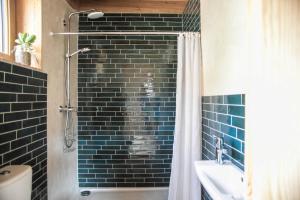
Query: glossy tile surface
224,116
126,102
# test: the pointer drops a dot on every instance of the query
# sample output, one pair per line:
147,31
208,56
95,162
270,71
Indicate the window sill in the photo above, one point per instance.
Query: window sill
10,60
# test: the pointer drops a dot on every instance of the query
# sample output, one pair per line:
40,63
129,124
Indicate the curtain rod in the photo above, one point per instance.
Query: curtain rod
116,33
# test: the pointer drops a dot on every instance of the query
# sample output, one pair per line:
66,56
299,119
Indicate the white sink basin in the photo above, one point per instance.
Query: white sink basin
222,182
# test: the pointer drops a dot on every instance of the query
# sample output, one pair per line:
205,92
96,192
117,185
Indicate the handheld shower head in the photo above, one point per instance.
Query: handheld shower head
83,50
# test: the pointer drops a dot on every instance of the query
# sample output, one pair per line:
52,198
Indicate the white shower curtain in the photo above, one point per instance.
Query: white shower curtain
184,184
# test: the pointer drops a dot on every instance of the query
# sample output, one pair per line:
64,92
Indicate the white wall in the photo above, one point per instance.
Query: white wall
62,167
224,46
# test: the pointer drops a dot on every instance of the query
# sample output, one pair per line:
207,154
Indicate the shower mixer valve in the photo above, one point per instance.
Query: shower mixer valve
67,109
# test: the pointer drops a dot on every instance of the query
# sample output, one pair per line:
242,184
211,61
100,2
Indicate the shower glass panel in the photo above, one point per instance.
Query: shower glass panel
126,102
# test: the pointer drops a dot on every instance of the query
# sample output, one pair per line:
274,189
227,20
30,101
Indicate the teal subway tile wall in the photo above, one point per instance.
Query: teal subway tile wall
224,116
126,101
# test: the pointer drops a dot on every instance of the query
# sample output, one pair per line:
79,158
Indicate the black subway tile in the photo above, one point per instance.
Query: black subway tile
35,145
20,142
12,78
31,122
39,105
22,159
26,131
8,87
4,147
36,82
10,126
14,154
5,67
14,116
7,97
30,89
6,137
21,70
26,97
21,106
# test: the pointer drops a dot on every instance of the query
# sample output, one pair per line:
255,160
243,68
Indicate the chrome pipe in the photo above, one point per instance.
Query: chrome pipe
79,12
115,33
68,52
68,109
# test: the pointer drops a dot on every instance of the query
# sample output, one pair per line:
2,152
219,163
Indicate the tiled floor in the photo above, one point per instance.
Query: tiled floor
128,195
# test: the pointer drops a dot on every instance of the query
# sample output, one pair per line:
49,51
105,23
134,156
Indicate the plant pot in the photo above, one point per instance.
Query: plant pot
22,57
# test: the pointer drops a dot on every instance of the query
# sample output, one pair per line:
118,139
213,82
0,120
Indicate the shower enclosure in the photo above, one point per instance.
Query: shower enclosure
126,100
126,103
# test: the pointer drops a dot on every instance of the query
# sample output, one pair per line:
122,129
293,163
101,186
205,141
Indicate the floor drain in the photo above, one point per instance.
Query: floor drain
85,193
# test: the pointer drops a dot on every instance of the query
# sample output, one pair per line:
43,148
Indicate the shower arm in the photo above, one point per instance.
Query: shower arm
69,24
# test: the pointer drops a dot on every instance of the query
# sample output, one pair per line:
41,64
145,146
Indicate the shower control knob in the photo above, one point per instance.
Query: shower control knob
67,109
61,109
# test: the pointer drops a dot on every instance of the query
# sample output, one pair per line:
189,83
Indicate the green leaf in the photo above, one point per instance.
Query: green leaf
25,39
25,35
20,37
30,39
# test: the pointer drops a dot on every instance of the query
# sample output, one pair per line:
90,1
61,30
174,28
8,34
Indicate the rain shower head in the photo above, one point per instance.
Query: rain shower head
95,15
92,13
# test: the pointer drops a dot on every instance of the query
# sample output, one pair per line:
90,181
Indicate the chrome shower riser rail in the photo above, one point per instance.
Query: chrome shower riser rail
116,33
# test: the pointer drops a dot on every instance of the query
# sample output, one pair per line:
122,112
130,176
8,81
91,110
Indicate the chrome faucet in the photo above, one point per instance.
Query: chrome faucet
219,149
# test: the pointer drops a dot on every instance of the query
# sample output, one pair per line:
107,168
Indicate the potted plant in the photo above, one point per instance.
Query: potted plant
23,50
